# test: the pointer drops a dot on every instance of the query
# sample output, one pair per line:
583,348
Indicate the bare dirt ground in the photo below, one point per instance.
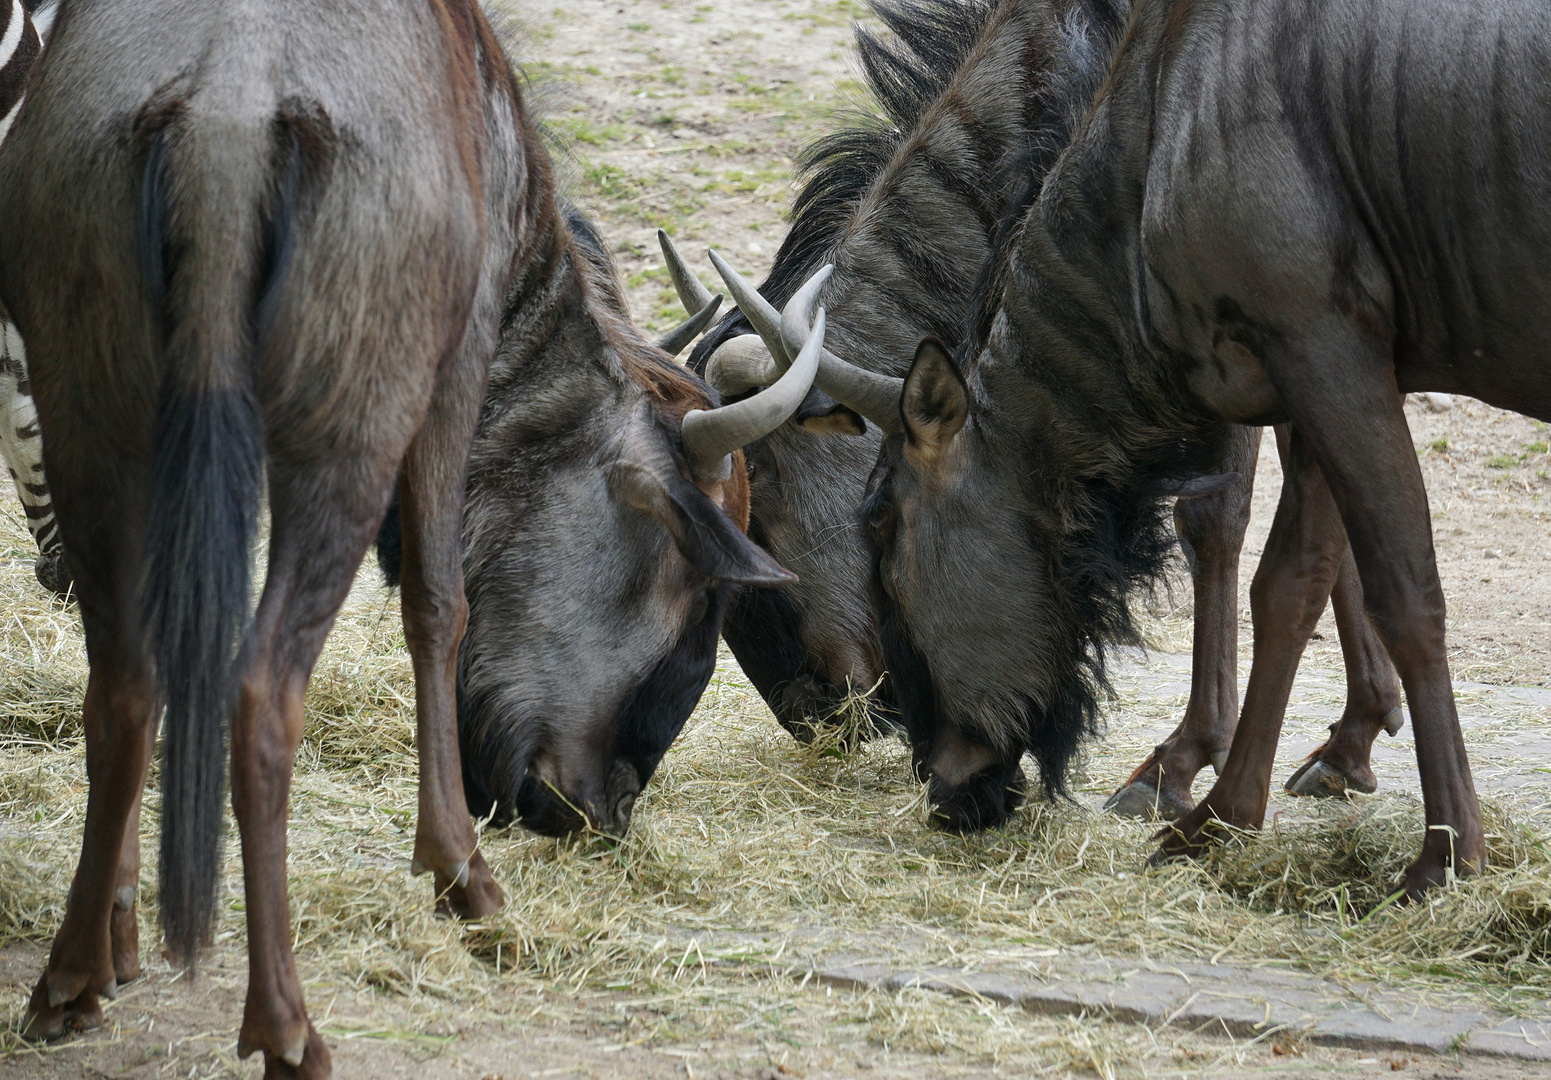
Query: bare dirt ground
688,949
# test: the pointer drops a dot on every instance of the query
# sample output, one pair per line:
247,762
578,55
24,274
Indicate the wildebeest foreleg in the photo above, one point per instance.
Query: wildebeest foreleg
1211,530
1302,556
435,611
1348,406
83,964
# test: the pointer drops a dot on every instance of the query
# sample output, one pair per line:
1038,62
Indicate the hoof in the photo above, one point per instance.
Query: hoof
1317,780
52,573
472,894
124,928
1191,837
59,1007
1139,799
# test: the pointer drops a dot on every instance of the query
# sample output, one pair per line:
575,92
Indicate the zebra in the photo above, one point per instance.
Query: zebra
24,27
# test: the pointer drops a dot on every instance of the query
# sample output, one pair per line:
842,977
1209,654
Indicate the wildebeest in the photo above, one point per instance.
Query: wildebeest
900,209
1294,210
246,254
603,538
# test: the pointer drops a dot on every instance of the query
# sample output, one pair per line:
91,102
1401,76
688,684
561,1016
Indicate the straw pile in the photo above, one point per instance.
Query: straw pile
750,857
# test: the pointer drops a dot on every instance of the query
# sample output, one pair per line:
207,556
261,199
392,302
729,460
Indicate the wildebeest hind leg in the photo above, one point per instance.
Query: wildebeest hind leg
119,720
1211,529
1302,555
1341,763
431,508
320,528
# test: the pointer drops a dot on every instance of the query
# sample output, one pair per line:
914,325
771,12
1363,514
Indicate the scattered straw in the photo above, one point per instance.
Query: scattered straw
751,859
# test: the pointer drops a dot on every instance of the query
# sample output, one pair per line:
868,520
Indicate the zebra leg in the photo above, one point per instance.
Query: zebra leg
21,446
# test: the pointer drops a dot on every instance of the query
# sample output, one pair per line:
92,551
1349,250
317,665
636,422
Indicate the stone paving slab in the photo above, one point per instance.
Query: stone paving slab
1230,999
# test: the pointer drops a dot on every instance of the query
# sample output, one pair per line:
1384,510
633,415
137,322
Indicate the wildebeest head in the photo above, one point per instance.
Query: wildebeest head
905,210
909,247
603,538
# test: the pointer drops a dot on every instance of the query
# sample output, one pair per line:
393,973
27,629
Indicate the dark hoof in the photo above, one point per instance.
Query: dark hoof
1316,779
1191,837
475,897
53,1015
52,573
983,802
1140,799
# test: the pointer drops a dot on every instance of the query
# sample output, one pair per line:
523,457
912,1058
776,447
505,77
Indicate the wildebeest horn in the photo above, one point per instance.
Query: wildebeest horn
761,313
692,294
874,396
711,435
674,340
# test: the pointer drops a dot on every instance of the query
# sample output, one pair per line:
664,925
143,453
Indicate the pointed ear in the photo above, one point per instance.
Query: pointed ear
820,414
704,535
935,402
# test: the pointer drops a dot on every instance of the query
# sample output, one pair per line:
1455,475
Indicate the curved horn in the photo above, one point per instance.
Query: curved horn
739,365
674,340
711,435
692,294
760,313
874,396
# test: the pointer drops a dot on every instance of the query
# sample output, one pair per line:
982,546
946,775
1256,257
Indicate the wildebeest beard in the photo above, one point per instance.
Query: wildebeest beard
496,750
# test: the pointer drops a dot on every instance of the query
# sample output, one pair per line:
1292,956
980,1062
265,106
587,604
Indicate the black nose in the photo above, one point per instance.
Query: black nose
983,801
604,808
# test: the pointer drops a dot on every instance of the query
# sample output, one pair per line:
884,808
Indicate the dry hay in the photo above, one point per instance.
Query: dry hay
750,857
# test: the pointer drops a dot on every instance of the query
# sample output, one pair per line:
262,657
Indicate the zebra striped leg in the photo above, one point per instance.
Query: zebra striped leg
21,447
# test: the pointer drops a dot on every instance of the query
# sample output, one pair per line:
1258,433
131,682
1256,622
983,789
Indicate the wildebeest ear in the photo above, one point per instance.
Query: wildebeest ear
704,535
935,401
821,414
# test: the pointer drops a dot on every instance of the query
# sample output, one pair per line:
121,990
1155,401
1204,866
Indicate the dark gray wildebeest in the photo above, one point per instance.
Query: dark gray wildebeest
603,538
900,209
252,246
23,30
1280,211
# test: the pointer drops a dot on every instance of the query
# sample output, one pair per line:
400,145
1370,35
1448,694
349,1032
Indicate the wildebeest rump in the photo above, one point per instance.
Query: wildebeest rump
276,251
1294,210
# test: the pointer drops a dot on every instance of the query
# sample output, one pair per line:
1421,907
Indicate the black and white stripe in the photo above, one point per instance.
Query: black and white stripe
23,28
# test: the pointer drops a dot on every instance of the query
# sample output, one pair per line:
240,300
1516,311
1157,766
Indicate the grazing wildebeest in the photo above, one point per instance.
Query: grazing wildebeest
604,535
289,258
23,31
900,210
1293,210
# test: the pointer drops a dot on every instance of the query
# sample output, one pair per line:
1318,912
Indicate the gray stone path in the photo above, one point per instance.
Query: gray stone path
1240,1001
1508,732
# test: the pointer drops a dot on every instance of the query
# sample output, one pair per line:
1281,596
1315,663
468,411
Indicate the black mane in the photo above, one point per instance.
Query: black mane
907,70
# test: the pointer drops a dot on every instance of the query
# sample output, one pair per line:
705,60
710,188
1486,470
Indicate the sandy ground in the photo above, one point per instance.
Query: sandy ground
685,116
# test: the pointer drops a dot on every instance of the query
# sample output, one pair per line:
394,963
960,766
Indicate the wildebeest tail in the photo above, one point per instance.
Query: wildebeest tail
214,232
